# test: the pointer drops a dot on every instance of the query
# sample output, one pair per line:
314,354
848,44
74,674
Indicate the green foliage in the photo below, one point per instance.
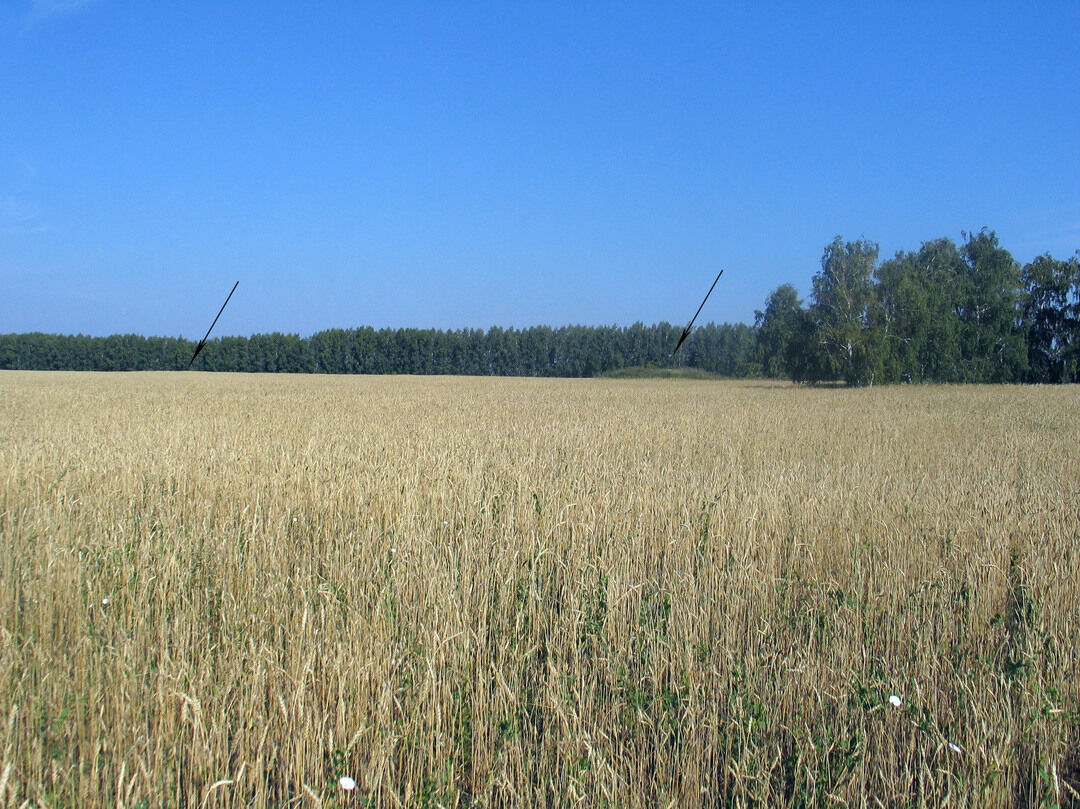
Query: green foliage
917,314
571,351
988,297
944,313
843,345
778,329
1051,318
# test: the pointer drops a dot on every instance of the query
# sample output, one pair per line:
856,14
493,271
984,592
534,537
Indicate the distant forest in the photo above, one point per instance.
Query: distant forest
945,313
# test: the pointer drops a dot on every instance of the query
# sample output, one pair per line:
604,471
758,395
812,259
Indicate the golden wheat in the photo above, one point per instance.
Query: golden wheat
227,590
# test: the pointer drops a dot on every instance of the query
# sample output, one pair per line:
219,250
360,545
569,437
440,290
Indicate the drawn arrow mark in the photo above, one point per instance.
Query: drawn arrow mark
690,325
202,342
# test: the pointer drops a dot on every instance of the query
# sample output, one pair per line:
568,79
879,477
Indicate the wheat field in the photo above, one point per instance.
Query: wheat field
246,590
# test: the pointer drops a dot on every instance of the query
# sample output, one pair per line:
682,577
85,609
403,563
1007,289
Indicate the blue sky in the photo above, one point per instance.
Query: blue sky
458,165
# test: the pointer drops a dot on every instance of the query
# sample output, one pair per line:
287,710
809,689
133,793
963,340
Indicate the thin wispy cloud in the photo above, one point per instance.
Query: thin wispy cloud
1070,232
11,208
1053,229
1061,241
45,10
18,217
22,230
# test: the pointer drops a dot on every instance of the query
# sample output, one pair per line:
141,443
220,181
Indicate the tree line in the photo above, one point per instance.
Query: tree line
944,313
571,351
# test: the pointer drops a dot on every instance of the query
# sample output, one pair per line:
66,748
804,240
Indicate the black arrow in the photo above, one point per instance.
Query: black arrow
686,331
202,342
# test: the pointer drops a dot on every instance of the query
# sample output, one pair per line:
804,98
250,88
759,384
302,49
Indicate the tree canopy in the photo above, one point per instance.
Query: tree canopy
571,351
943,313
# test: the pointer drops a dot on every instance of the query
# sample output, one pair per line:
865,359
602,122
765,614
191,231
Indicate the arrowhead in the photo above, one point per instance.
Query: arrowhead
685,334
198,348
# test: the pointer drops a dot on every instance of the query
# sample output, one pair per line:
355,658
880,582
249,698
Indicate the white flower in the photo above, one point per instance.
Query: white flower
444,522
895,701
347,783
393,550
955,747
294,519
105,602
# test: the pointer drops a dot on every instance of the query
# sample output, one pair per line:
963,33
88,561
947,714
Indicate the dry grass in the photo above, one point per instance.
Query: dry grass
491,592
